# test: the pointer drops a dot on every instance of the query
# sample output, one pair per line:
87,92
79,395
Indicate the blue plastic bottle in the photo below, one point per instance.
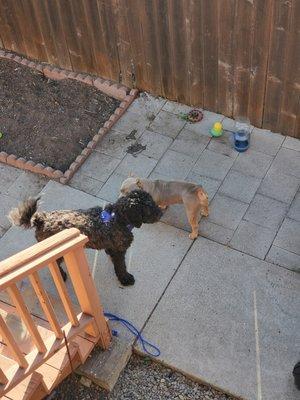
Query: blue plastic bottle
241,136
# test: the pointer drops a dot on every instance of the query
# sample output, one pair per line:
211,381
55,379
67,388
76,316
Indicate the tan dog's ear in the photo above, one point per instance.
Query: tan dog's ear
139,183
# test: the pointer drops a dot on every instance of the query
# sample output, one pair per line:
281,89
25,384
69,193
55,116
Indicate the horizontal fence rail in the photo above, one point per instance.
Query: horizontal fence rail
236,57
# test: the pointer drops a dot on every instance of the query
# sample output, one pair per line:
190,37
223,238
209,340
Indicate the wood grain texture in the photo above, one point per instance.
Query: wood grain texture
237,57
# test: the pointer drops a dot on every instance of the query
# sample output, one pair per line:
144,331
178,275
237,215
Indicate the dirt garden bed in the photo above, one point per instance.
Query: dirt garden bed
51,119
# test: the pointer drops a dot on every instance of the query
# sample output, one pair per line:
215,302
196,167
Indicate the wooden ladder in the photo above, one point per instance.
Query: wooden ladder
38,351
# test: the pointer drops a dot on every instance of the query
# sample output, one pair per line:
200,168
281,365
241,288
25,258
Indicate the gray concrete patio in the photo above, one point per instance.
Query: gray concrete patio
224,308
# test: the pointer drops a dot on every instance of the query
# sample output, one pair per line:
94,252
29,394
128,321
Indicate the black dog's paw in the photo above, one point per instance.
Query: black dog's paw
127,280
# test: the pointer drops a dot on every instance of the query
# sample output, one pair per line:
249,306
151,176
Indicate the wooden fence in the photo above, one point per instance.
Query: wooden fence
236,57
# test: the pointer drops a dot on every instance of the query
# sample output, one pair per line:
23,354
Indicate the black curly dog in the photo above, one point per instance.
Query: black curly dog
115,236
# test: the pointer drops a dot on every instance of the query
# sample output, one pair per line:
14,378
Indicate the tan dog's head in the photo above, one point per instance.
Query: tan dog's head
130,184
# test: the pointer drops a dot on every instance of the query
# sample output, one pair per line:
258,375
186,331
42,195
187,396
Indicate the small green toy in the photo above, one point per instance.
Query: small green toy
1,135
217,129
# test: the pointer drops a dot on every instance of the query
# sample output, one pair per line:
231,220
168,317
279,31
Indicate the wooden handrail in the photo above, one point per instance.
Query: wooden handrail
37,250
34,265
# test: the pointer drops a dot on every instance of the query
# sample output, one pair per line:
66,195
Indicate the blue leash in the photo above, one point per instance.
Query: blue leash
144,343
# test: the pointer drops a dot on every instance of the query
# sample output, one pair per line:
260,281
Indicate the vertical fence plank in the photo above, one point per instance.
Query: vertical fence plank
243,40
108,32
196,54
119,15
226,56
58,35
161,34
277,62
178,45
210,42
11,33
290,104
263,11
36,46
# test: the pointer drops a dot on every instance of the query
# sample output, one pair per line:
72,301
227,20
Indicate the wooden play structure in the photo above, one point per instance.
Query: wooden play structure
42,343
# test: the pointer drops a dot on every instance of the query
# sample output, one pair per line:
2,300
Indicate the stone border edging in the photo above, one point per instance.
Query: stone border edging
110,88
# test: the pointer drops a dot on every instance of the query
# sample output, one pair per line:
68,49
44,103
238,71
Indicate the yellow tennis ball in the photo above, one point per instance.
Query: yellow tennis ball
217,126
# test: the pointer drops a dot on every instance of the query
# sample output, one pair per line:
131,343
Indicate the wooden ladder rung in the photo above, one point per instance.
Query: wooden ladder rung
45,303
11,344
63,293
20,305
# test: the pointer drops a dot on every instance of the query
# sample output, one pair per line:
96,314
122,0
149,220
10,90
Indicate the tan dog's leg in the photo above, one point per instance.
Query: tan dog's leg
192,209
203,199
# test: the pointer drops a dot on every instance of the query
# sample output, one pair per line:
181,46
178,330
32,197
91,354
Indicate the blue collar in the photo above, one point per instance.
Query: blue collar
106,217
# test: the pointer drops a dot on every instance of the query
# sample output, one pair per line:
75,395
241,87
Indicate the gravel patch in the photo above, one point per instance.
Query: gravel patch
142,379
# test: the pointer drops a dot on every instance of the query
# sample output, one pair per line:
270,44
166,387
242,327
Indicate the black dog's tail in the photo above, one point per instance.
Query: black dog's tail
22,215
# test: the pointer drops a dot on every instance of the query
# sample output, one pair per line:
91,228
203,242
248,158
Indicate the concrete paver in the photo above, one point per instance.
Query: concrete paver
190,143
294,211
223,145
284,258
252,163
288,162
213,165
110,191
174,165
167,124
279,186
239,186
115,143
253,239
139,165
7,176
288,237
85,183
266,212
226,212
266,141
132,121
227,318
99,166
156,144
291,143
26,185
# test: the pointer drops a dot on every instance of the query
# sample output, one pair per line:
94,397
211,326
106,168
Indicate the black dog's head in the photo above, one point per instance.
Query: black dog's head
137,208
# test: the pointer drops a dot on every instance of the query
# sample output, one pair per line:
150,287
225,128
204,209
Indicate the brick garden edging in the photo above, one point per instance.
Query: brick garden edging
111,89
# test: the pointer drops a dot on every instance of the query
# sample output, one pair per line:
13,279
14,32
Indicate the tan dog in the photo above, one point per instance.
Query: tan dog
165,193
